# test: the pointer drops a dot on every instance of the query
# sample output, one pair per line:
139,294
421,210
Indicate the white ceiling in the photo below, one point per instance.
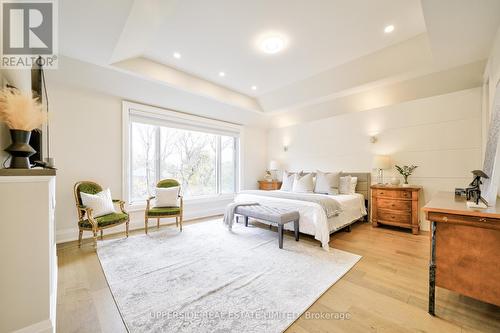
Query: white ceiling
219,35
462,31
336,47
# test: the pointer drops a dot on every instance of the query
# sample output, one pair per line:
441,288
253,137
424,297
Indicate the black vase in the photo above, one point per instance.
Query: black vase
20,150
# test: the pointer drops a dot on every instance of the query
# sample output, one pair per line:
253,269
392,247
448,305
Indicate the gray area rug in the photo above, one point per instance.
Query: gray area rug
208,279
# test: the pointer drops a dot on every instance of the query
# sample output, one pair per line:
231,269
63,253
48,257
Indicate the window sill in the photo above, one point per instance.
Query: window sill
135,207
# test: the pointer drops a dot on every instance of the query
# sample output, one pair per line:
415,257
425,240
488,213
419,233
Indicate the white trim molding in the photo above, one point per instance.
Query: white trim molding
193,210
44,326
170,118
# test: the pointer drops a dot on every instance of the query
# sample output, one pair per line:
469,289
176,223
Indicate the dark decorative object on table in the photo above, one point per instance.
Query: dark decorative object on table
20,150
473,191
22,114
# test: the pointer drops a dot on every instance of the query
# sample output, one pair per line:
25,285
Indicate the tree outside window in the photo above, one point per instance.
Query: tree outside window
204,163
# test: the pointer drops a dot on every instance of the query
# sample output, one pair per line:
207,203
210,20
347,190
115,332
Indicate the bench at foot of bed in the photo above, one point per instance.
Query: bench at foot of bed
272,215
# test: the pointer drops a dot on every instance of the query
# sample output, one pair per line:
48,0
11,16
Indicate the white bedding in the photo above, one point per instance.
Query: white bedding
313,220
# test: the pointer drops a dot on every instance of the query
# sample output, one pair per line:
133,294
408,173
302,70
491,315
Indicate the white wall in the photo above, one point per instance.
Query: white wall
254,156
86,142
441,134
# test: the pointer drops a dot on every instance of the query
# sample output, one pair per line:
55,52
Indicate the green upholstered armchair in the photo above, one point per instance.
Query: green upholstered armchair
86,220
164,212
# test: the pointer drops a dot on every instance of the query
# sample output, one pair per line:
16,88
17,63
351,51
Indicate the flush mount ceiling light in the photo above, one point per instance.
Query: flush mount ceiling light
177,55
222,74
254,87
388,29
272,43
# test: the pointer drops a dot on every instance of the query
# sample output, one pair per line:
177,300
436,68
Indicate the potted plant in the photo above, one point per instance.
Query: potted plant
21,113
406,171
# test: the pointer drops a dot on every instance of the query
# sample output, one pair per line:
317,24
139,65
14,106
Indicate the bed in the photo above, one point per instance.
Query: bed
313,218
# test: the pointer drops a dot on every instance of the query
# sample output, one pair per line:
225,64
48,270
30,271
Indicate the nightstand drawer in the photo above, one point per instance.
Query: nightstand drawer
394,217
401,194
269,186
402,205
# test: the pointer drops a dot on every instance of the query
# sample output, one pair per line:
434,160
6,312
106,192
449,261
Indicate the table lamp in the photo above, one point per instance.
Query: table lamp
273,167
381,162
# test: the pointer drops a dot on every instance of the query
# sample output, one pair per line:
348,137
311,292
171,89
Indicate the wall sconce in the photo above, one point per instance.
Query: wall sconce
373,139
285,148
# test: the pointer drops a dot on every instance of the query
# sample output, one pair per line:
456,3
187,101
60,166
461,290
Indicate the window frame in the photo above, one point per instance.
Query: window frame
174,119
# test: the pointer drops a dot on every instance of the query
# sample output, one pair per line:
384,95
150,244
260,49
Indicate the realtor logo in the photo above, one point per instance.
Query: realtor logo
28,33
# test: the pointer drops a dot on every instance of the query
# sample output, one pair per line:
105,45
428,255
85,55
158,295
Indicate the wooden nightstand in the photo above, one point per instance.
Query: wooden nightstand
396,205
269,186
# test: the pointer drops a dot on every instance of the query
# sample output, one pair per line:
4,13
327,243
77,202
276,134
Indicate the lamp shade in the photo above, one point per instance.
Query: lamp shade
274,165
381,162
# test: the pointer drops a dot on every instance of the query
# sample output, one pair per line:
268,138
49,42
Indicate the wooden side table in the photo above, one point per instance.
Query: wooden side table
396,205
269,185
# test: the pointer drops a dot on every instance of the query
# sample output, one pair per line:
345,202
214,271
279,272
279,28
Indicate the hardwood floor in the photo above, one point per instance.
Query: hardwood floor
385,292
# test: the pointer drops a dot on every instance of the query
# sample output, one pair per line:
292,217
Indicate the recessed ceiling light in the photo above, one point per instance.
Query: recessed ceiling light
222,74
272,44
177,55
388,29
254,87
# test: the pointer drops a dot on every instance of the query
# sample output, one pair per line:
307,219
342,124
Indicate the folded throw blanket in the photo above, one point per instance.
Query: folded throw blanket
229,213
331,206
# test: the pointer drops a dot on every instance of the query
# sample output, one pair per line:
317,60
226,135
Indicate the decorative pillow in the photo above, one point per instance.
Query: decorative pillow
167,196
287,184
303,184
327,183
347,185
101,203
354,182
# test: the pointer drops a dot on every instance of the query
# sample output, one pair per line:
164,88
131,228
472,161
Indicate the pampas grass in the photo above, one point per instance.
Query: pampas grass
20,111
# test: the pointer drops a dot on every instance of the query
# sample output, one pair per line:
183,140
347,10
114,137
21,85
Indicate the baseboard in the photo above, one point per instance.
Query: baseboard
45,326
71,234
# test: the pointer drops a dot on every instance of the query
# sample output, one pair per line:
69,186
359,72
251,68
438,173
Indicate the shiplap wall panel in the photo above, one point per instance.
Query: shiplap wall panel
440,134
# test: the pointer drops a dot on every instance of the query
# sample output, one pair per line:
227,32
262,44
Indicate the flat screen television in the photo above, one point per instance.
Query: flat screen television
36,140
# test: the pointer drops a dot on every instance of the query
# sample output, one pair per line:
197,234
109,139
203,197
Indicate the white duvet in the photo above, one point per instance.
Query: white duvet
313,219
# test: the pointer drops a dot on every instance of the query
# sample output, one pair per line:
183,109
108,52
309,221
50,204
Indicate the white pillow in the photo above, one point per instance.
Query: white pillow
167,196
327,183
303,184
287,184
347,185
354,182
101,203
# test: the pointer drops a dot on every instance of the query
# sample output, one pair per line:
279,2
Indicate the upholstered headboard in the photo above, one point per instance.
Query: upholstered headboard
363,185
364,182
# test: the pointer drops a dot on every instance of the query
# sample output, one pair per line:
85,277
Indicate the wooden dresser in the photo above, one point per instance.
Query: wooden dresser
395,205
269,186
465,247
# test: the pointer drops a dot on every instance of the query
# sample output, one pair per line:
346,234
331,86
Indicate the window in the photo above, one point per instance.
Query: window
203,159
